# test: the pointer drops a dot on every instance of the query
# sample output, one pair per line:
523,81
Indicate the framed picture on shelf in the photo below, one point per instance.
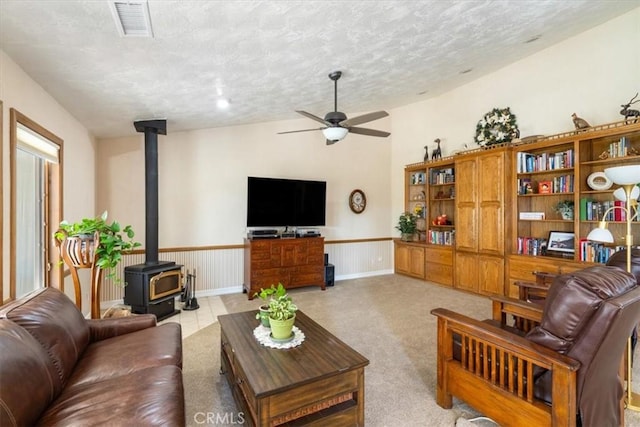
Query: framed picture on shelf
561,242
544,187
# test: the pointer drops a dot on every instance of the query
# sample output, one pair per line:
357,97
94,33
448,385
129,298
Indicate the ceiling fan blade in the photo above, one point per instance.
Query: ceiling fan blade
364,118
369,132
331,142
302,130
312,117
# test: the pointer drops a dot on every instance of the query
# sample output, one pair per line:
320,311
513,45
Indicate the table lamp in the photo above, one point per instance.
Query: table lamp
627,177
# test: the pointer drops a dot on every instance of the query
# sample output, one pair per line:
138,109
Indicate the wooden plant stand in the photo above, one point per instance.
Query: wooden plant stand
78,252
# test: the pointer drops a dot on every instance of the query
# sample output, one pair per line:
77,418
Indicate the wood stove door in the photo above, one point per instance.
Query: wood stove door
164,284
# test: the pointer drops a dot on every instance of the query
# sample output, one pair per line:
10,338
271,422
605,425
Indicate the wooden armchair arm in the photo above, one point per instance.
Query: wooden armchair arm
532,285
535,291
498,366
522,315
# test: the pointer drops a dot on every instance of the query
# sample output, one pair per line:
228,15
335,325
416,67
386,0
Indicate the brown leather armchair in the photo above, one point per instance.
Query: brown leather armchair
564,370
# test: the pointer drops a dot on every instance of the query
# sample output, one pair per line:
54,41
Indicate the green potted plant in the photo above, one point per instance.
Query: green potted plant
264,295
282,313
565,208
407,226
113,241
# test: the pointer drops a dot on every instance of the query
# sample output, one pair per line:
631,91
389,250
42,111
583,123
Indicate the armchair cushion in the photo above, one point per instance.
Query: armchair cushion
572,302
619,259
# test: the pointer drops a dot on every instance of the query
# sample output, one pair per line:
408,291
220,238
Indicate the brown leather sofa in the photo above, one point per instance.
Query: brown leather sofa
58,368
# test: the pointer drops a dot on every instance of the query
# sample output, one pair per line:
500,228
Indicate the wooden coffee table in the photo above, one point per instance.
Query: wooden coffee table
320,382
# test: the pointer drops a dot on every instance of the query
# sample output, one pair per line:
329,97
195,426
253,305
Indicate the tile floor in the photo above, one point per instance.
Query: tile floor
194,320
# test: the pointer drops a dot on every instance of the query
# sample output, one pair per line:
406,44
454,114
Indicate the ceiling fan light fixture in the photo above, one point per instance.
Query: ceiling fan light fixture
336,133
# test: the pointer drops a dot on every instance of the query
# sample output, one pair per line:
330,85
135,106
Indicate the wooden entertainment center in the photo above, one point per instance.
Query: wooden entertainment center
293,262
484,215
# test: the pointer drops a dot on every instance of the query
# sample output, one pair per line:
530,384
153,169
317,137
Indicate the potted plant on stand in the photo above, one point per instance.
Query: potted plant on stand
565,208
282,314
93,243
407,226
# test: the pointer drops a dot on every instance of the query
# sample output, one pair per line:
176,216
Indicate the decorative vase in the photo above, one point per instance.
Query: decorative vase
264,315
281,329
406,237
568,215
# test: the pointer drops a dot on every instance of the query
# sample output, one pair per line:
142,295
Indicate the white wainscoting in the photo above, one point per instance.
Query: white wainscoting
220,270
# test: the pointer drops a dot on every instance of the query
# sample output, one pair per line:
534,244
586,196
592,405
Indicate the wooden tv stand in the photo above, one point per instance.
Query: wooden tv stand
293,262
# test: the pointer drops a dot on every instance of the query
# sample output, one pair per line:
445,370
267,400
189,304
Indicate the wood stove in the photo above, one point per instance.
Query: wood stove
152,286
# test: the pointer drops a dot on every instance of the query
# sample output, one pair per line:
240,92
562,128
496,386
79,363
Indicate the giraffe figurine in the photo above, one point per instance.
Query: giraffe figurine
426,153
437,153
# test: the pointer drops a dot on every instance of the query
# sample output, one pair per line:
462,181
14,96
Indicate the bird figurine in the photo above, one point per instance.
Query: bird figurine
579,123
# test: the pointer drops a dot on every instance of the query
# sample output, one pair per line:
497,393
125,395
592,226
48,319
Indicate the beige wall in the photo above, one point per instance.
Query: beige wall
203,179
590,74
19,91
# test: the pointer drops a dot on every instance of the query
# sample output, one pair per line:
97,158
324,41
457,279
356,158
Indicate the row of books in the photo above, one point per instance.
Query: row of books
562,184
528,162
531,245
591,210
438,237
442,176
558,184
595,252
418,178
620,148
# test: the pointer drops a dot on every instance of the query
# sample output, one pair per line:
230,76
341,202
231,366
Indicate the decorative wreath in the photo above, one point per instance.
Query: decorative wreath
496,127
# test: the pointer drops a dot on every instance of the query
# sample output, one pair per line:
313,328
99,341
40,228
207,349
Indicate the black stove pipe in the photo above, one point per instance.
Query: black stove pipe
151,129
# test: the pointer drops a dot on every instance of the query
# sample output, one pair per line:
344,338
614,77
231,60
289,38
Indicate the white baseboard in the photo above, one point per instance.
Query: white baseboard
366,274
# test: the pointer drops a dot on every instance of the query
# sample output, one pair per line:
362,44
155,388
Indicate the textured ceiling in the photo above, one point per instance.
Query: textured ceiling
272,57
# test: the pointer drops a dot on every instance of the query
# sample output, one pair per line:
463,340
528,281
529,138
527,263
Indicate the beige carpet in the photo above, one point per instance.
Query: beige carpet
386,319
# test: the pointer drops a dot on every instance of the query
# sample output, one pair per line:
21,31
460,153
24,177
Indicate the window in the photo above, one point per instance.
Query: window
36,204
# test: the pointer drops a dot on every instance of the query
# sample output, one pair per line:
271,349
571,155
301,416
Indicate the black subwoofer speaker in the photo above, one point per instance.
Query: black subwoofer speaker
329,273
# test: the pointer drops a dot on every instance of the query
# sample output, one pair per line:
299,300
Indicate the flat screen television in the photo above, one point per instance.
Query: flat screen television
277,202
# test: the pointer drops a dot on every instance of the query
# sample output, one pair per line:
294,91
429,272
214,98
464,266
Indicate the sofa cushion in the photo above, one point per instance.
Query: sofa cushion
124,354
147,397
55,322
24,363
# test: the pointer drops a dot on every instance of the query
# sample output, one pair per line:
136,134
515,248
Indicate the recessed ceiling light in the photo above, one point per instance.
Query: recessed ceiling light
468,70
223,103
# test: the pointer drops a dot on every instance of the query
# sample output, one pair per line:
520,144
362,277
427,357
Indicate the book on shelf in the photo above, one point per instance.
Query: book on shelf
619,148
438,237
592,210
531,246
532,215
442,176
529,162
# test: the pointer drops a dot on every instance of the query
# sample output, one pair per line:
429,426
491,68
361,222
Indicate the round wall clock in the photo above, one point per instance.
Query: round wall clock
357,201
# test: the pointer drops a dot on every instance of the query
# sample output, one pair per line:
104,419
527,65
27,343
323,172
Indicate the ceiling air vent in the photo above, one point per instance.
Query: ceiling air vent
132,18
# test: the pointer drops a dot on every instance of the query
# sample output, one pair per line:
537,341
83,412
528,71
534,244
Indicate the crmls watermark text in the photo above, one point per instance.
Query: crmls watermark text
213,418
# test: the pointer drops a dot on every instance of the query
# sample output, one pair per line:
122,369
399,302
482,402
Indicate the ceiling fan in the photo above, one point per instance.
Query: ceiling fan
337,125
